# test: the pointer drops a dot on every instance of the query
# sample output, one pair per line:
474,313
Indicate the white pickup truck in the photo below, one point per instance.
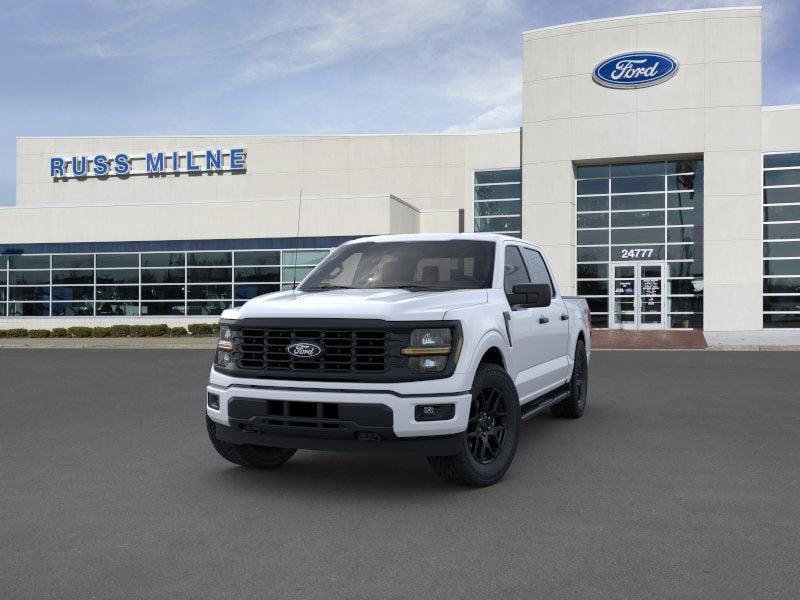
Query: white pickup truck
437,345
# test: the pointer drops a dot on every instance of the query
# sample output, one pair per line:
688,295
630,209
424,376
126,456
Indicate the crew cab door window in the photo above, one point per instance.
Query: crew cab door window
538,269
514,270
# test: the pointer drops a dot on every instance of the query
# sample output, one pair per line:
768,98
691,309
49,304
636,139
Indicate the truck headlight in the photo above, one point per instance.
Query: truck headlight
429,350
224,355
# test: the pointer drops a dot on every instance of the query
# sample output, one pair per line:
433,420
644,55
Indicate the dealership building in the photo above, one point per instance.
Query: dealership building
645,166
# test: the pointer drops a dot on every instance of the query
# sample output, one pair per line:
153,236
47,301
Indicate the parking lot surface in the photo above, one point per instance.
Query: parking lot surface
681,481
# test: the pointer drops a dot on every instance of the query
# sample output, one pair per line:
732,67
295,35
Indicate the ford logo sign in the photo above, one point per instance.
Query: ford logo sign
304,350
635,70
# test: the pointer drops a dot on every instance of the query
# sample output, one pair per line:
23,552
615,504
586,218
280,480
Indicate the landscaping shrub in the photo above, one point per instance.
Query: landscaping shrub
80,332
156,330
38,333
101,332
60,332
120,330
15,332
138,331
203,329
177,331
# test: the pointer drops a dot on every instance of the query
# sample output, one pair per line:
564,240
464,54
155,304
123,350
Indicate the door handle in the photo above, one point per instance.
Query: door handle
564,317
543,320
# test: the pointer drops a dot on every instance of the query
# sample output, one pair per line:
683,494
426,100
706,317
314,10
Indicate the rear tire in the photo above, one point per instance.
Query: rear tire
490,440
573,407
246,455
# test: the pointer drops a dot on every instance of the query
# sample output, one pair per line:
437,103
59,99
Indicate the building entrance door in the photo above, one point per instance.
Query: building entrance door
637,299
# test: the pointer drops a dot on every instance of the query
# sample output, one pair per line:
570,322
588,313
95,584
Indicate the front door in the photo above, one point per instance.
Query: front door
637,295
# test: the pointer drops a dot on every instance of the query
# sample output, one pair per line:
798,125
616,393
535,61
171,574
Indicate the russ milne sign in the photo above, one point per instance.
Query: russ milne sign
635,70
151,163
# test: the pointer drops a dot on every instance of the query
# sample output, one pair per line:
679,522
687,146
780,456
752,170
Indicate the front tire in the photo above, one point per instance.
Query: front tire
573,406
246,455
490,440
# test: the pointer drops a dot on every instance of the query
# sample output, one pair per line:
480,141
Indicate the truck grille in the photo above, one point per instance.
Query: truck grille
344,350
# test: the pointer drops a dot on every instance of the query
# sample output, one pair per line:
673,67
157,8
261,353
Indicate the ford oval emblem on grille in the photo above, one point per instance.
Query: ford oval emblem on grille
304,350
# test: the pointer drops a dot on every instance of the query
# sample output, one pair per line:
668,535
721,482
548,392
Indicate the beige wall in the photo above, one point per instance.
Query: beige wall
711,107
781,128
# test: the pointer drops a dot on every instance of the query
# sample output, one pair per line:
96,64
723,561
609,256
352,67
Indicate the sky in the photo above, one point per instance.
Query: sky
161,67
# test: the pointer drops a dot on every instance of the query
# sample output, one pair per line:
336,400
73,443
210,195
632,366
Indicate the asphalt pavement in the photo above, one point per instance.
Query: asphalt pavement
681,481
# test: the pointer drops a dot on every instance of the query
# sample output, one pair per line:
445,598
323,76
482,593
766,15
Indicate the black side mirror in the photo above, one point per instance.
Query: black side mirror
530,295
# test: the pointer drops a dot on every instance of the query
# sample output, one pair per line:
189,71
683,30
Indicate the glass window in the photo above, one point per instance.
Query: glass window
29,277
243,274
782,303
684,166
637,202
303,257
73,309
28,309
2,278
537,268
217,275
212,308
163,275
680,251
514,270
597,305
784,320
593,203
787,177
590,171
638,252
593,220
588,271
592,186
73,261
245,292
679,304
258,257
499,176
209,259
120,292
685,200
782,160
117,260
782,195
684,217
682,182
162,292
624,185
782,213
209,292
29,293
592,254
118,276
162,308
684,286
680,234
782,231
492,192
639,218
588,237
623,170
117,309
29,261
782,285
506,207
782,267
637,236
781,249
60,277
295,274
593,288
163,259
73,292
498,224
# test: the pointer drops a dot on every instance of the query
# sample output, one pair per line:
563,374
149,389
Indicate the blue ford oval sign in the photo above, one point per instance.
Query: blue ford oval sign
635,70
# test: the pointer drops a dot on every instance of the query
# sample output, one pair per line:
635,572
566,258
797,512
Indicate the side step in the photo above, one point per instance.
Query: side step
534,407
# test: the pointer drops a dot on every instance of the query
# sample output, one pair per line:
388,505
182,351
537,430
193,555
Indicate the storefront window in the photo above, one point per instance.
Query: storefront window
498,202
642,213
781,229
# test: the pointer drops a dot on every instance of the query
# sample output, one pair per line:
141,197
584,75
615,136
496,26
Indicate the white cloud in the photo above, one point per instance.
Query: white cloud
497,117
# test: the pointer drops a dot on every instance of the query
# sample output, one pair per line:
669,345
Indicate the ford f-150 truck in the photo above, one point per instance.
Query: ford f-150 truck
437,345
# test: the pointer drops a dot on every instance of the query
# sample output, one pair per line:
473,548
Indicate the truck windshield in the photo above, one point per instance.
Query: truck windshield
414,265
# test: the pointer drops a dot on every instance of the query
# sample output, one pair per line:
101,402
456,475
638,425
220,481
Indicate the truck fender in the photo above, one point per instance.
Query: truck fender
490,339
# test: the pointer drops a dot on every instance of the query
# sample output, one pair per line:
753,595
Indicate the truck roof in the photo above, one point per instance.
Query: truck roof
433,237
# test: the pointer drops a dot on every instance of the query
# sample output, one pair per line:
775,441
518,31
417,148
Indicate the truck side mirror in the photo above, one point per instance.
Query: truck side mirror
530,295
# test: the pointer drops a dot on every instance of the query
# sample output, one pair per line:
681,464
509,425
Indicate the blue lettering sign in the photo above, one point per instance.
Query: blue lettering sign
79,166
190,166
100,165
237,159
155,162
176,162
56,167
635,70
121,164
213,160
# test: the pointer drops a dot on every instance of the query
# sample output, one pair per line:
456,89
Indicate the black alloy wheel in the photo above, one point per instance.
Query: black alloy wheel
487,426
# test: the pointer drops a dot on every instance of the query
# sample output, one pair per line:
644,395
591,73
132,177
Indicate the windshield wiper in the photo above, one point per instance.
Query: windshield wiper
323,288
408,286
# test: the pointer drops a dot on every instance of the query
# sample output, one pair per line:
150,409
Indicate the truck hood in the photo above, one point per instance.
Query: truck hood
389,305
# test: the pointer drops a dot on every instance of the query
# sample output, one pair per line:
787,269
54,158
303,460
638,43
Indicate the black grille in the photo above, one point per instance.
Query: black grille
344,350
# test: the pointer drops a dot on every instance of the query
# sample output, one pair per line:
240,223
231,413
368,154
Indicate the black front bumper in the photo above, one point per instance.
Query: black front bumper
374,440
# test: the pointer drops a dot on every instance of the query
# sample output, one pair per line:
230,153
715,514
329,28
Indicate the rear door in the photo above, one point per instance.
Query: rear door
528,351
553,330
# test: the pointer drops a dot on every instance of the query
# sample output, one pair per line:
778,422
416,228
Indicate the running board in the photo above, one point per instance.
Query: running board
534,407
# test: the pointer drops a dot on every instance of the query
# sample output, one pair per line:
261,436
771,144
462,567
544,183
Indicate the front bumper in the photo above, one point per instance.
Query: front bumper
372,418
